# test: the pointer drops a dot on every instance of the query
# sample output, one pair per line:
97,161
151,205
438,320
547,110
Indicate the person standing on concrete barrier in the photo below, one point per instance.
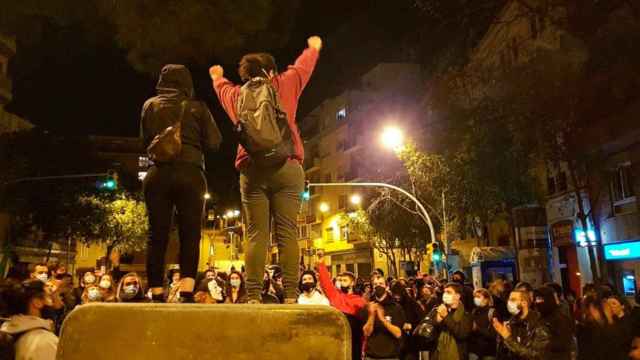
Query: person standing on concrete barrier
176,178
344,300
33,336
271,177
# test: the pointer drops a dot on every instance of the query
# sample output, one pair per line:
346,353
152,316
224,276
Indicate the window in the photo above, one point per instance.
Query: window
303,231
344,232
329,232
143,162
342,202
622,184
551,185
341,114
561,180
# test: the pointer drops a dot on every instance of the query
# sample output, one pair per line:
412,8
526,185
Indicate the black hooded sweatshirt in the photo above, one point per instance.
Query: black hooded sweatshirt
199,130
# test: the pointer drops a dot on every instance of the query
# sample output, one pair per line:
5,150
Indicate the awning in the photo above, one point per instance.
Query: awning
491,253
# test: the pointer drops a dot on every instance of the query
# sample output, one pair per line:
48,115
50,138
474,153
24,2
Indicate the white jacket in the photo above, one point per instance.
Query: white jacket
316,298
37,341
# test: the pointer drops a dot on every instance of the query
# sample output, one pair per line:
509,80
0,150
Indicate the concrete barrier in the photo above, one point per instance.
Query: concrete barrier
227,332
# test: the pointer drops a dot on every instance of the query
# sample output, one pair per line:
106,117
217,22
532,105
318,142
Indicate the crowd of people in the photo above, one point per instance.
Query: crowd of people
419,317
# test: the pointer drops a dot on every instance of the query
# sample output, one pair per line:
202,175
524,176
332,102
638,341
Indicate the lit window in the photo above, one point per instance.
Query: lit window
622,183
143,162
341,114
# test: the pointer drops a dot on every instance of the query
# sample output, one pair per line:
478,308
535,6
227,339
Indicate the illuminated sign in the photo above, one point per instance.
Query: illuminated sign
622,251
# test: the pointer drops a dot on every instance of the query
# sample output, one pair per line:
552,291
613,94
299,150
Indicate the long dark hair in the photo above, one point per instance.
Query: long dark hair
242,291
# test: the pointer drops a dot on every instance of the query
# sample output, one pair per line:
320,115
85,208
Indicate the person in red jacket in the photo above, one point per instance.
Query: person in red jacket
346,301
271,192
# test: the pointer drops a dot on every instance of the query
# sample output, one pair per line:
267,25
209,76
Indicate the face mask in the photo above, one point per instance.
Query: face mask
380,291
105,284
513,308
306,287
89,279
129,292
345,289
447,299
235,283
43,277
94,295
215,290
479,302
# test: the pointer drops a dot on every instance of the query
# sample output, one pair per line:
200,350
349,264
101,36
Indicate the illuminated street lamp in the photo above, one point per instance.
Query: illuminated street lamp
392,138
324,207
207,196
356,199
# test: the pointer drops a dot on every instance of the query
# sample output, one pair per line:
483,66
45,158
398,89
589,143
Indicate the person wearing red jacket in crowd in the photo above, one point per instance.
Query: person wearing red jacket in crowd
344,300
272,192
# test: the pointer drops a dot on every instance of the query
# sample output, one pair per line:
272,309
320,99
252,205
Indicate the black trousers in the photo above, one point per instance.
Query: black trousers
179,186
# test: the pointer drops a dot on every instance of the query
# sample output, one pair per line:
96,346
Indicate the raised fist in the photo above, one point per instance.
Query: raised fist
216,72
315,42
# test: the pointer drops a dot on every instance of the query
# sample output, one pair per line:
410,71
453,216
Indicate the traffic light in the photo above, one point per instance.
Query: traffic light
436,255
306,193
110,182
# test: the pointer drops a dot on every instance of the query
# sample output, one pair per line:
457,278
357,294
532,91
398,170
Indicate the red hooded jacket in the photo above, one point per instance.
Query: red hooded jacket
349,304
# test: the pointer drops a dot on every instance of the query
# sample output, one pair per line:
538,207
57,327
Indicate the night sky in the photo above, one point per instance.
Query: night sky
71,83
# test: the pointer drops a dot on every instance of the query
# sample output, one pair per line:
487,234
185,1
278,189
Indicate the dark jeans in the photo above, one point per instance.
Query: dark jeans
181,186
267,194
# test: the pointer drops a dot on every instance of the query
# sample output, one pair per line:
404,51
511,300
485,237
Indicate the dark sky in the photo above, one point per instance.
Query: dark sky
70,83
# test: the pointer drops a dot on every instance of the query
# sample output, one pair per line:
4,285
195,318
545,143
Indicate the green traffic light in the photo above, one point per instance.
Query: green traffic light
306,195
436,257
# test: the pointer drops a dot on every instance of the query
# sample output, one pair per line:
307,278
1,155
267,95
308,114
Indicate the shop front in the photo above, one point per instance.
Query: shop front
621,248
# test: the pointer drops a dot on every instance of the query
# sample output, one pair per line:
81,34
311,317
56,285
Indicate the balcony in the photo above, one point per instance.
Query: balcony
6,88
621,228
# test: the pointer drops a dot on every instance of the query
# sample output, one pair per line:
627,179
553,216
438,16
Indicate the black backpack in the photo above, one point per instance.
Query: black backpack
262,125
8,345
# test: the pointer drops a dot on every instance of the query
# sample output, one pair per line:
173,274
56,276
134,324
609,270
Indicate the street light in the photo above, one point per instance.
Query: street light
356,199
392,138
207,196
324,207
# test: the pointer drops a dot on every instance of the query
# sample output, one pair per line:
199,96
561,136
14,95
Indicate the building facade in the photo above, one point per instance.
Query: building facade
342,145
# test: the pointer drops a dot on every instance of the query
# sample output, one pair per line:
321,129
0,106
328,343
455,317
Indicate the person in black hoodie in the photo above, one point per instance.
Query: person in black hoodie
560,325
482,342
179,183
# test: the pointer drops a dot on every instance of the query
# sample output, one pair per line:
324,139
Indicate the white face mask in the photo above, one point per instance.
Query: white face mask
479,302
94,295
513,308
447,299
89,279
43,277
215,290
105,284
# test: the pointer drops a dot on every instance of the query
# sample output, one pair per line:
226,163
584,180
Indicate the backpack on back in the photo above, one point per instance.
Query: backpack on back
166,146
262,124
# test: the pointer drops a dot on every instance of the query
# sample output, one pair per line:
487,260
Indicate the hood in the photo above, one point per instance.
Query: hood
175,81
548,304
20,323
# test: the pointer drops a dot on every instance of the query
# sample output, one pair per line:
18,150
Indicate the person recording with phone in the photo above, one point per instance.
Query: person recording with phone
454,323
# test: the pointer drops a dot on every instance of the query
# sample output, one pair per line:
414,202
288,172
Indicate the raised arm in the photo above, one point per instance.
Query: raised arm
226,91
334,296
297,75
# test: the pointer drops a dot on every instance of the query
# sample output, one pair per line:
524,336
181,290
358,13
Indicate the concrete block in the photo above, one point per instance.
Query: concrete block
192,331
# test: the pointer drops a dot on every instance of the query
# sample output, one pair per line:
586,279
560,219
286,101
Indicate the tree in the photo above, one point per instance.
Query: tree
155,32
48,207
119,222
392,229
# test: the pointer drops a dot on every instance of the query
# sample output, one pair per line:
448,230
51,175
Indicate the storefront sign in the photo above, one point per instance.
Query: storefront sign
562,233
622,251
